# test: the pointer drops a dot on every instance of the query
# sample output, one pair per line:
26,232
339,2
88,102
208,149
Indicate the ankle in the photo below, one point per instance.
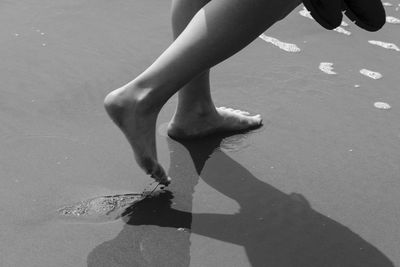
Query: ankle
196,110
129,98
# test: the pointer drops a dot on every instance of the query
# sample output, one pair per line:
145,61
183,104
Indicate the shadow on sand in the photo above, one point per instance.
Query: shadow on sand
274,228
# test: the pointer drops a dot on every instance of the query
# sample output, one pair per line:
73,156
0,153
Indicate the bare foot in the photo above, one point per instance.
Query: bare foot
128,109
191,125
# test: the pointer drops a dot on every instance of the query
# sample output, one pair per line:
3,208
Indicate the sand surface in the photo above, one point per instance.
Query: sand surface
317,185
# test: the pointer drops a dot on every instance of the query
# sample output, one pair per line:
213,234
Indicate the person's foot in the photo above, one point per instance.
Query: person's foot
131,112
190,125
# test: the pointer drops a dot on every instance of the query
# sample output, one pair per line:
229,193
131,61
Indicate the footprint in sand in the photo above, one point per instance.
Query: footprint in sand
104,208
371,74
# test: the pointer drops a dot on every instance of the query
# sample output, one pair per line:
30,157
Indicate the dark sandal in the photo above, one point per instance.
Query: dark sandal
367,14
328,13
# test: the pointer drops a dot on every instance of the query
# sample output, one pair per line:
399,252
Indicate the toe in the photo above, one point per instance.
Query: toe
160,176
258,119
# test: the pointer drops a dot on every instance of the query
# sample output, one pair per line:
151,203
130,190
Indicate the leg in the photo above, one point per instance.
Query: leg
134,107
195,114
195,95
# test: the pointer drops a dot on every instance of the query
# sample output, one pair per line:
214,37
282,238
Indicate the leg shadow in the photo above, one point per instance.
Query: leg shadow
275,229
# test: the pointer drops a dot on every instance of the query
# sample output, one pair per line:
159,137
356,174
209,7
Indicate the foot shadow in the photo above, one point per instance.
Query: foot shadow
274,228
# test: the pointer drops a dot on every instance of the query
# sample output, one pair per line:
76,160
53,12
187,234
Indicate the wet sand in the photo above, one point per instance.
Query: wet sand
317,185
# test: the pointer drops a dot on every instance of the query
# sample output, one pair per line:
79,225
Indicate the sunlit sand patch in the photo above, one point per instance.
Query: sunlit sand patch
371,74
288,47
382,105
392,20
385,45
342,30
326,67
305,13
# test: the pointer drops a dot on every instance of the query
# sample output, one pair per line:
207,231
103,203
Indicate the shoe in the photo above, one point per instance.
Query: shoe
367,14
328,13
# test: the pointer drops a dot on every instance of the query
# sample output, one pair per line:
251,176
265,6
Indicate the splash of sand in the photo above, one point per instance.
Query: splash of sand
327,67
288,47
101,208
385,45
371,74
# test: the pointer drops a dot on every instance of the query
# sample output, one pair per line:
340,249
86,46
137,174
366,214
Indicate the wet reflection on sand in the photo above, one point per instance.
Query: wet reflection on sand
274,228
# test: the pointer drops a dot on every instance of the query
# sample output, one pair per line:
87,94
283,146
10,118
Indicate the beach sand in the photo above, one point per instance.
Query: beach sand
317,185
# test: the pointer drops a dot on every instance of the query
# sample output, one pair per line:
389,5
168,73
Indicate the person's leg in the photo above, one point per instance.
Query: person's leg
219,30
195,114
195,95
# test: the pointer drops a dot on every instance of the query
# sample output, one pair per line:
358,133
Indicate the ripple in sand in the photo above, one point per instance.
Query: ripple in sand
387,4
235,143
392,20
371,74
326,67
385,45
282,45
382,105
